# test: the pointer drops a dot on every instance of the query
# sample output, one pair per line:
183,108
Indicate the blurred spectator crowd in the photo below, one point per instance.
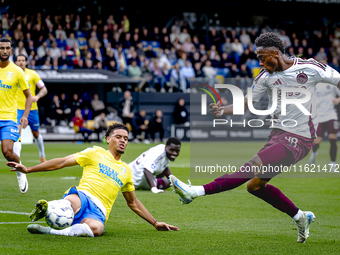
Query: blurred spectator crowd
164,59
91,115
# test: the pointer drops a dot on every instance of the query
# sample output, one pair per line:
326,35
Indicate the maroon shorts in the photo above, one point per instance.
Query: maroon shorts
331,126
283,149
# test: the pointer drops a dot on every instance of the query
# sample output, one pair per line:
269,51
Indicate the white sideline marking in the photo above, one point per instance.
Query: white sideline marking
2,223
11,212
69,178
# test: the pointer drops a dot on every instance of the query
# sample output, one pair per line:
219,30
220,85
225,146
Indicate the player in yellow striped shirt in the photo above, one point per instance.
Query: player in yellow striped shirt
104,175
34,81
11,79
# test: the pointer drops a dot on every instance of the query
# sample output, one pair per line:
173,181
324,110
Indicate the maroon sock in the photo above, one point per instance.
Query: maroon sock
229,181
334,149
277,199
160,183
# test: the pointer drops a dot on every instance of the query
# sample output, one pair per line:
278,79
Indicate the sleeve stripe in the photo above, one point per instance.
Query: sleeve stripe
318,64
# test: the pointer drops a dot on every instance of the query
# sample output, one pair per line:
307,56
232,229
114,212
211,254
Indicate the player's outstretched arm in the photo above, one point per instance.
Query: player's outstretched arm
139,208
53,164
149,178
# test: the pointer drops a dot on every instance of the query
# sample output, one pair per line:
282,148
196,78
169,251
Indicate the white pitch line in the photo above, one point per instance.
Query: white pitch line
3,223
11,212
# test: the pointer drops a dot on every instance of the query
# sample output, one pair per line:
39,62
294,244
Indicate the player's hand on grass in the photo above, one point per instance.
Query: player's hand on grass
216,109
155,190
162,226
23,122
17,167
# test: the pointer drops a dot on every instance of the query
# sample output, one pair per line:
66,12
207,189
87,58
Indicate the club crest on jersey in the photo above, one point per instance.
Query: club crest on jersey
9,75
302,78
123,169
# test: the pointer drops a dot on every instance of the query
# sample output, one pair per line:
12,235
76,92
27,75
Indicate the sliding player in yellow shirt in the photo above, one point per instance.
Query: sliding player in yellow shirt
33,81
11,79
104,175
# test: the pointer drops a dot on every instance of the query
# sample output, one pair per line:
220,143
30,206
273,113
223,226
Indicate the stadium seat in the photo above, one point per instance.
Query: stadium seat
155,44
172,61
253,63
89,124
220,78
145,44
82,42
222,71
80,34
236,57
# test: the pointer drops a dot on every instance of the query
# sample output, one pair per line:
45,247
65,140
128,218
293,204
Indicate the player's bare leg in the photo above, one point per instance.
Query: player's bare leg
258,187
7,150
86,228
39,141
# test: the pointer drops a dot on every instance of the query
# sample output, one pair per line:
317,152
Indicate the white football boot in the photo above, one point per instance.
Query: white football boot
22,180
185,191
303,224
38,229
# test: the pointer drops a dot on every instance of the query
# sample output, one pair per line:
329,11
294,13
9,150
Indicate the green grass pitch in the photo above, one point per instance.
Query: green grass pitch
232,222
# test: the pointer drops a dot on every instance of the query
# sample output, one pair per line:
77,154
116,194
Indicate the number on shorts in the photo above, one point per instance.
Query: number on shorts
292,140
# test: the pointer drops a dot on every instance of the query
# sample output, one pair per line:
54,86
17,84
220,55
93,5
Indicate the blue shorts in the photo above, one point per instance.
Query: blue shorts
9,130
88,208
33,119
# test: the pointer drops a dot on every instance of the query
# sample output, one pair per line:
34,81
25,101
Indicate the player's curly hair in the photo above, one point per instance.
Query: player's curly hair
270,39
115,126
173,140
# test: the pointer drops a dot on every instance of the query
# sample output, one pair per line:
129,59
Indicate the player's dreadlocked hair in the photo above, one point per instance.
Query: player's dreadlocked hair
115,126
270,39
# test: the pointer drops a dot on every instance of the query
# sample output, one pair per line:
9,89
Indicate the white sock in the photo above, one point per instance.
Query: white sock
17,148
199,190
76,230
297,215
332,163
40,143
